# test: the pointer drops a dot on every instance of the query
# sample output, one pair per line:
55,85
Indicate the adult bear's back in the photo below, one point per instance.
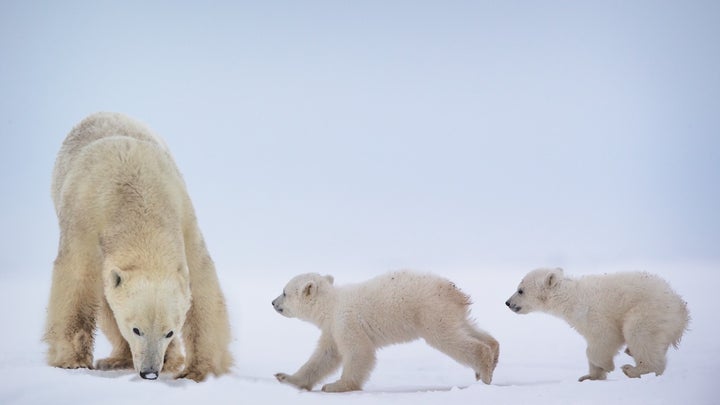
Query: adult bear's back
94,127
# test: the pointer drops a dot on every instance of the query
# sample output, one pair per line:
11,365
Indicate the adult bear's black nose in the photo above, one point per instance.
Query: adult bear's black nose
507,303
149,375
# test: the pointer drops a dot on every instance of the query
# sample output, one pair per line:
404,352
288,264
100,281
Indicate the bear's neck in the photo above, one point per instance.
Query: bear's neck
143,243
322,310
566,302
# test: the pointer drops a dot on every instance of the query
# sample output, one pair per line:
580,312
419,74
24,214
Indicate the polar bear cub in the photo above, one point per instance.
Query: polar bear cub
637,309
393,308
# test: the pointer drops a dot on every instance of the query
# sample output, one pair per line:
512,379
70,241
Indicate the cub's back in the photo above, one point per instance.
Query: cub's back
402,294
622,291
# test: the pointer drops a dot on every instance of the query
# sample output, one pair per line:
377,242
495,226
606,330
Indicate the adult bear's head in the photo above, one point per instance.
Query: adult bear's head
149,303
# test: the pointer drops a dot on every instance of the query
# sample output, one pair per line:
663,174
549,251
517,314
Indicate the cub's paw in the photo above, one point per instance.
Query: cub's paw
288,379
592,377
630,371
114,363
282,377
340,386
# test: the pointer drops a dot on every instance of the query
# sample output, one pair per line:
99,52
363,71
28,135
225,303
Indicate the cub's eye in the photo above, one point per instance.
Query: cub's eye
137,331
520,291
283,293
169,335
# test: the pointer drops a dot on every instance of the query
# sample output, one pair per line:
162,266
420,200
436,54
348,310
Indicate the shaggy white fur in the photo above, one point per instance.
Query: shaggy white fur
132,257
636,309
393,308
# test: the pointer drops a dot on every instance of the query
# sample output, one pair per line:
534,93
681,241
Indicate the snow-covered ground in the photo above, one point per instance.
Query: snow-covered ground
541,357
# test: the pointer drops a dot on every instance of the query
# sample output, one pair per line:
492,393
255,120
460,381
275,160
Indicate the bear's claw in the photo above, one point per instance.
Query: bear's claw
80,360
74,364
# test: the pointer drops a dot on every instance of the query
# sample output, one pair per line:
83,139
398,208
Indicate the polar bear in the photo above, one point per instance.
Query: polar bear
397,307
132,258
636,309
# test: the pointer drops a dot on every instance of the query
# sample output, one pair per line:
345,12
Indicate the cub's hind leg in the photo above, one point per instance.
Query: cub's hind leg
648,347
466,349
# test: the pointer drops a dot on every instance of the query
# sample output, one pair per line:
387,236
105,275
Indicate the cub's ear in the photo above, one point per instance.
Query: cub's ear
309,290
553,277
330,279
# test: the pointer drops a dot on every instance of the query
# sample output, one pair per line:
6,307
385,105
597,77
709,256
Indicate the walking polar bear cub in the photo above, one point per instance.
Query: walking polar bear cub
398,307
637,309
131,257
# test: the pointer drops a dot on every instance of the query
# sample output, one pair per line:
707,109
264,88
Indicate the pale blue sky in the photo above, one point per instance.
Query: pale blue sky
375,135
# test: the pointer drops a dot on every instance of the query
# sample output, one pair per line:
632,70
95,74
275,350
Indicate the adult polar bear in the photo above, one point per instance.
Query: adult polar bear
637,309
132,257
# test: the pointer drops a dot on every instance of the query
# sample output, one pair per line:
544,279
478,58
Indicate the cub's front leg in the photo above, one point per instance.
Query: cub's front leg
324,360
357,365
600,360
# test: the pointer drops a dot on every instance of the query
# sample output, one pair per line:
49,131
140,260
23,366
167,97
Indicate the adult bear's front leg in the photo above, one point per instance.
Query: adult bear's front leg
70,326
206,333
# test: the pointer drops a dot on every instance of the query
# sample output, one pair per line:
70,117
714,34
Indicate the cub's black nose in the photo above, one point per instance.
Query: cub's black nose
507,303
149,375
276,306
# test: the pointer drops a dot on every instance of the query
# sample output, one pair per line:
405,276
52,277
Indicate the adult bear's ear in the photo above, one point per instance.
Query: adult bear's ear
330,279
309,290
553,277
184,272
115,278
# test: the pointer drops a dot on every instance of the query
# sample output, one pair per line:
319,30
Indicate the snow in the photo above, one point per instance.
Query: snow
541,357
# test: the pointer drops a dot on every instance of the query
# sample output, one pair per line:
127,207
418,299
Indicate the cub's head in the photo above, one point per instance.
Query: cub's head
300,296
534,290
149,308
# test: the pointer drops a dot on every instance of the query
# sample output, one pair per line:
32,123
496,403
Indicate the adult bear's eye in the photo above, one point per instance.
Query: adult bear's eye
169,335
520,291
137,331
